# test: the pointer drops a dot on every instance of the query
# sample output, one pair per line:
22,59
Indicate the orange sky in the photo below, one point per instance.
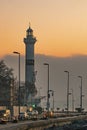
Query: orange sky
60,26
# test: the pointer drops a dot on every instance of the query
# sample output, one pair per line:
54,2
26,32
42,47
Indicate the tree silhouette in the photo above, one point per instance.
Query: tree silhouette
6,84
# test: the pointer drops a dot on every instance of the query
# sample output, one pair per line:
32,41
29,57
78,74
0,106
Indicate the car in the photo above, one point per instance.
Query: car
5,114
34,112
23,116
34,115
14,119
29,114
3,121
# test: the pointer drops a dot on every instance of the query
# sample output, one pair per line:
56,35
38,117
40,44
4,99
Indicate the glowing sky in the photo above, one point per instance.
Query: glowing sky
59,25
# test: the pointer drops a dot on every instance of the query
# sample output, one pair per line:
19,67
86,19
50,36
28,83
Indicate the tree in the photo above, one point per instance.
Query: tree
6,74
6,84
39,109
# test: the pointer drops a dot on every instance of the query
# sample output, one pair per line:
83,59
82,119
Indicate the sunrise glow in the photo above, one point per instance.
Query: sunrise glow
60,26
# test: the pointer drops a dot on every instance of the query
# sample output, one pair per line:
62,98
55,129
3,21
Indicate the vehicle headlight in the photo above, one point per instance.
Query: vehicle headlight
4,114
51,113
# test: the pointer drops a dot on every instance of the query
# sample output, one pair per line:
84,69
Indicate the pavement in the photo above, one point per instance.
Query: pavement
74,125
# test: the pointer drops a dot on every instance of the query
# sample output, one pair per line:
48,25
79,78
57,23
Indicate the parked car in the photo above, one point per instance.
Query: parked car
34,115
14,119
29,114
5,115
34,112
3,121
23,116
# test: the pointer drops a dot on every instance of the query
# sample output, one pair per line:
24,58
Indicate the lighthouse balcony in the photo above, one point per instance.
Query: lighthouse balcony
30,40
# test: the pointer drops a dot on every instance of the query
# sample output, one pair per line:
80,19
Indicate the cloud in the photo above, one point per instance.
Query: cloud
76,65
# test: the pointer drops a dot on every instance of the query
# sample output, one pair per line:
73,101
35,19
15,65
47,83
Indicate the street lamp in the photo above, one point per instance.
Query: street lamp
72,100
47,88
53,98
80,93
39,94
67,91
19,77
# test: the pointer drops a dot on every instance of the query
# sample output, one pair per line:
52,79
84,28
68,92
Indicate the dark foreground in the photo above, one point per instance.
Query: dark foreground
74,125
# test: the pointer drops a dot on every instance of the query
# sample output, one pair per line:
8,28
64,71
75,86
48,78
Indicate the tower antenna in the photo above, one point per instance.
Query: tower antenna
29,24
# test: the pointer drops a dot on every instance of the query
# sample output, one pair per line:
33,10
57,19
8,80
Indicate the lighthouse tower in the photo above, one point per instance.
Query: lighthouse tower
29,63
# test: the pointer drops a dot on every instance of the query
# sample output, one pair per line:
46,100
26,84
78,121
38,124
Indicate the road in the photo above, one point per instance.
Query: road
33,124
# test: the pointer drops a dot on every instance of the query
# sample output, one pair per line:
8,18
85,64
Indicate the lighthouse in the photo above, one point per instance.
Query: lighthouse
29,41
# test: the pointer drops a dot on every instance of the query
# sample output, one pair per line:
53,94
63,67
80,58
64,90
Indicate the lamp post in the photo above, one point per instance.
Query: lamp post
19,77
80,93
47,88
72,100
39,94
67,91
53,98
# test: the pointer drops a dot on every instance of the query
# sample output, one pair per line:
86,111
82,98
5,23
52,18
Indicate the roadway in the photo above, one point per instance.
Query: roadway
24,125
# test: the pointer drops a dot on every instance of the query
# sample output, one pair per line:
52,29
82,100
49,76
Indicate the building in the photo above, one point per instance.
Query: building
29,41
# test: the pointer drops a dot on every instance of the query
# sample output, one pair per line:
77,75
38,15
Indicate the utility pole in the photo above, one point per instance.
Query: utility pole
47,88
80,93
53,98
72,100
67,91
19,77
